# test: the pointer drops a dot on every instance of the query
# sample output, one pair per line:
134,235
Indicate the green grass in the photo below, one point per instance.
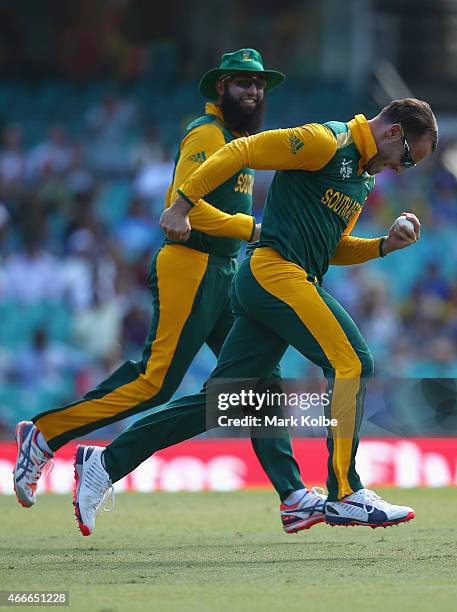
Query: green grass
227,552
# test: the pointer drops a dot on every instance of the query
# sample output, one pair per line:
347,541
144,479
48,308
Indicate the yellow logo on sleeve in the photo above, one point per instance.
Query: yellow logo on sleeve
198,158
295,144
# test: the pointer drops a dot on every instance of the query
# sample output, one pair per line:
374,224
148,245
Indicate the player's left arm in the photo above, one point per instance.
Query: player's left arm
353,250
307,147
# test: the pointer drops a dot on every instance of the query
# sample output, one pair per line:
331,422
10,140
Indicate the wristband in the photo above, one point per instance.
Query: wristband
185,198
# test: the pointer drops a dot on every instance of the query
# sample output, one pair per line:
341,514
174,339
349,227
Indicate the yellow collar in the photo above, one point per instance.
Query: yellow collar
363,139
213,109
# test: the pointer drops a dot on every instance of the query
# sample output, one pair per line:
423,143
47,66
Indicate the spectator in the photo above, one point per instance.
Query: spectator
97,329
379,322
4,231
45,363
149,150
32,274
87,275
431,283
54,155
111,124
89,282
80,181
12,159
135,232
135,328
153,178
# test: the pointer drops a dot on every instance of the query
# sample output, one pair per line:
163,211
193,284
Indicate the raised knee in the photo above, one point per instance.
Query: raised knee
360,366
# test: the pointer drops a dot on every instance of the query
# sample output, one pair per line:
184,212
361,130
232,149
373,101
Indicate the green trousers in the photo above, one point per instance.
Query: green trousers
277,305
191,295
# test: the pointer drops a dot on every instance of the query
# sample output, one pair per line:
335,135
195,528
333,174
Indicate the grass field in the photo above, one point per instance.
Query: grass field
226,551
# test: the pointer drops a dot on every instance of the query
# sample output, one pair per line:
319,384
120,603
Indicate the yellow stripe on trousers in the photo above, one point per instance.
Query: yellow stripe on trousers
180,271
288,282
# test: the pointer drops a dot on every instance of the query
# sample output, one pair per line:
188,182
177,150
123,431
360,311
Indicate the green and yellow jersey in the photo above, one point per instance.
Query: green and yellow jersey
317,193
224,220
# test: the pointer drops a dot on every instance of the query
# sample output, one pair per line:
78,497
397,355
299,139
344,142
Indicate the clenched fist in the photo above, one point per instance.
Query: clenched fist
399,238
175,220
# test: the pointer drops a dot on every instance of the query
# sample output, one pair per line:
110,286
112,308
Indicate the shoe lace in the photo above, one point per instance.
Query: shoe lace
101,488
45,467
32,463
320,503
371,496
109,495
319,491
105,495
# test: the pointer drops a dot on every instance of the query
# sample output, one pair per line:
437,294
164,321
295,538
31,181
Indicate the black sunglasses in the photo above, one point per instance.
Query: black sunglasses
406,160
246,82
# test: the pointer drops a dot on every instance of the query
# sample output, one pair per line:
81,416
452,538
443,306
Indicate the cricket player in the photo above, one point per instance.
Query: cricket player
191,286
324,175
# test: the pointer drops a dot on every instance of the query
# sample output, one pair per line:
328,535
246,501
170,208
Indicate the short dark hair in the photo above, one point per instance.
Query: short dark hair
415,116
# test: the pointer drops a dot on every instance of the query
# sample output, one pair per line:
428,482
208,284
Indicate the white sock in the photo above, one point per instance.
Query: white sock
40,439
295,496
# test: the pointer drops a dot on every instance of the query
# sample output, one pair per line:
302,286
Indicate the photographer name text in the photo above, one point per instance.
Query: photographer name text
275,421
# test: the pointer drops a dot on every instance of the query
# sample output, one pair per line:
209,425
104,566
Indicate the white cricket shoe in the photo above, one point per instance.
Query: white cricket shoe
365,507
92,486
30,463
306,512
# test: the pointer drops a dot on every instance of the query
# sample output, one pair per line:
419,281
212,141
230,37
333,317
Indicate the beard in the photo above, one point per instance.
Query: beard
239,119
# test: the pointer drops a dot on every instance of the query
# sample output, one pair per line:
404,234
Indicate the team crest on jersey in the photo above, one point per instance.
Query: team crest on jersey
346,168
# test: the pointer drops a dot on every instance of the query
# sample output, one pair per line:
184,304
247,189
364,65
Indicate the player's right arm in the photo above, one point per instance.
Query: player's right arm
198,145
308,147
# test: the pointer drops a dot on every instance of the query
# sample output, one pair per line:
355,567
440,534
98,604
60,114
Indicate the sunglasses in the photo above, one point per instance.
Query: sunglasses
246,82
406,160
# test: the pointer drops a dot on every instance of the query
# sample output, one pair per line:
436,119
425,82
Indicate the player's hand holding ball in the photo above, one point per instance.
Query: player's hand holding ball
404,232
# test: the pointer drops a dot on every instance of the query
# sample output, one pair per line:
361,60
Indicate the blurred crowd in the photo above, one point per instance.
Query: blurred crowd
79,221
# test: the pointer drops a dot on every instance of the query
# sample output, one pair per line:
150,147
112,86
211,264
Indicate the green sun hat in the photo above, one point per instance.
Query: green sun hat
243,60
